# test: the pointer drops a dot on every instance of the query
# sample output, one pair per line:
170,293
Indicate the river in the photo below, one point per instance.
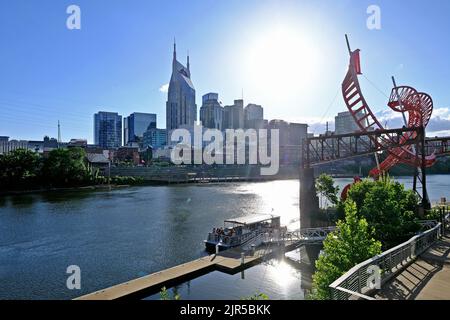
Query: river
118,235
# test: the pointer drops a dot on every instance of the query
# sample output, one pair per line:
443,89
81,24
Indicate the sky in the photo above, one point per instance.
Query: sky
288,56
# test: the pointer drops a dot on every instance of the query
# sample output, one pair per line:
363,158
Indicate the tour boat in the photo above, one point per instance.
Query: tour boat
242,231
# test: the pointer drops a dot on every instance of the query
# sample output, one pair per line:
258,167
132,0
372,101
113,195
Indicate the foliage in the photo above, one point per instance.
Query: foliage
350,244
257,296
18,168
164,295
66,167
388,207
124,180
326,188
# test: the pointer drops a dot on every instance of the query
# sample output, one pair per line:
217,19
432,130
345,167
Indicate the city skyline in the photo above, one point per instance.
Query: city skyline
123,65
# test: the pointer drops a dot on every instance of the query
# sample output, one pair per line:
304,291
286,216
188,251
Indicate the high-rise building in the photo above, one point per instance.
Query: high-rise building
155,138
181,109
108,129
291,136
233,116
211,112
135,125
254,117
344,123
253,112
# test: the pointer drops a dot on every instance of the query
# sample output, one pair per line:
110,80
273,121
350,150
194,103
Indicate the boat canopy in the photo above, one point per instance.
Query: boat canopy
253,219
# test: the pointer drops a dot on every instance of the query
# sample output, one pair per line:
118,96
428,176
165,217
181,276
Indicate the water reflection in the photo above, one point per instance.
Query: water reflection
279,278
118,235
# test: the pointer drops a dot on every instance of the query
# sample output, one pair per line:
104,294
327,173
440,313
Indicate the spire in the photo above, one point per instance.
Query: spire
188,67
174,49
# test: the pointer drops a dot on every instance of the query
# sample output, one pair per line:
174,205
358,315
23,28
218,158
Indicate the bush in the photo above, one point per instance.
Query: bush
388,208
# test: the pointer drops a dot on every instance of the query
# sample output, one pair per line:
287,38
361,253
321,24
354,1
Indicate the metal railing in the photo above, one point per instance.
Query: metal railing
356,283
312,233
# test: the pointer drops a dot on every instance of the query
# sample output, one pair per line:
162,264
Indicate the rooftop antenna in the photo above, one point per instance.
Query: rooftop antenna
174,48
188,67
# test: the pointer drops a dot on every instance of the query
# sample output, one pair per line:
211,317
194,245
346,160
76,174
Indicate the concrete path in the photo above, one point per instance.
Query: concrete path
428,278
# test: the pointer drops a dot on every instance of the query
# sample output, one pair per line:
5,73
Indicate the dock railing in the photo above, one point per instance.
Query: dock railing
361,280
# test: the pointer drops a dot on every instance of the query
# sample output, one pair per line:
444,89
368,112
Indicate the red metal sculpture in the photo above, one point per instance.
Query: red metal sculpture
417,106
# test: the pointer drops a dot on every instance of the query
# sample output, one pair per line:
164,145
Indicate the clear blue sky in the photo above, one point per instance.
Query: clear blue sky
121,57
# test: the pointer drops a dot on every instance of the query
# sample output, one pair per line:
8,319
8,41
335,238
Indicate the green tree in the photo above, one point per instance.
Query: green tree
326,188
18,168
350,244
66,167
388,207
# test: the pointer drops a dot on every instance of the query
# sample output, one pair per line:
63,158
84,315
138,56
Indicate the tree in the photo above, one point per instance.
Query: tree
325,187
350,244
388,208
18,168
65,167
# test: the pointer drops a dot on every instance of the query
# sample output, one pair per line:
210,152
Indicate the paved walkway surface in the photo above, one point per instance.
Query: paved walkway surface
428,278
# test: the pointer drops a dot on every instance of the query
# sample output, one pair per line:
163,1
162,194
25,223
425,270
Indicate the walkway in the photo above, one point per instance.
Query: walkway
428,278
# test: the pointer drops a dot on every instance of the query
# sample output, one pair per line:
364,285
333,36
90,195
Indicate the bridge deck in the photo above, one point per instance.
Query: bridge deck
428,278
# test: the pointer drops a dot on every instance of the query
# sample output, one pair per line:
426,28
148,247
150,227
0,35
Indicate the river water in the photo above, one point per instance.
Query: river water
118,235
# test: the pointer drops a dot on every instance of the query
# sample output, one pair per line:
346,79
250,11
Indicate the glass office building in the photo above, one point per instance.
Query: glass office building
108,129
136,124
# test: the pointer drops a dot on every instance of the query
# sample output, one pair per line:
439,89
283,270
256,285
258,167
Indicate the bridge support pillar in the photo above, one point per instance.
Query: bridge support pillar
312,252
309,202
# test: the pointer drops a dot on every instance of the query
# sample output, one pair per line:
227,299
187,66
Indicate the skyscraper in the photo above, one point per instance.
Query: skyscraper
181,109
211,112
108,129
254,117
233,116
136,124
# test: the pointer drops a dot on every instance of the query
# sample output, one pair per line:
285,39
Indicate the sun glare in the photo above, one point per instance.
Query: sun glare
282,58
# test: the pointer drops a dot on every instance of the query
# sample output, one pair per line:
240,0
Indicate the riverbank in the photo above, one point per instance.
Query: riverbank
43,190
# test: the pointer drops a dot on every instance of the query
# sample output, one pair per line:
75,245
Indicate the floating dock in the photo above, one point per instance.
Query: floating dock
229,261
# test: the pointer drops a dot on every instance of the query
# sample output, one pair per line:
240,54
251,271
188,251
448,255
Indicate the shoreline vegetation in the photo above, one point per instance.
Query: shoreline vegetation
374,217
23,171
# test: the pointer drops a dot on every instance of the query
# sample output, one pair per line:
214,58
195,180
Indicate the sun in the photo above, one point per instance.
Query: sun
282,60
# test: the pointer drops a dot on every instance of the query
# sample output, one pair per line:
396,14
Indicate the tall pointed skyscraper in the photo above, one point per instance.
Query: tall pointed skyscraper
181,109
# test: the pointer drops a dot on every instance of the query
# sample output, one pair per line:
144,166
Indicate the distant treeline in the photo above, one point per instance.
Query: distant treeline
25,170
442,166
